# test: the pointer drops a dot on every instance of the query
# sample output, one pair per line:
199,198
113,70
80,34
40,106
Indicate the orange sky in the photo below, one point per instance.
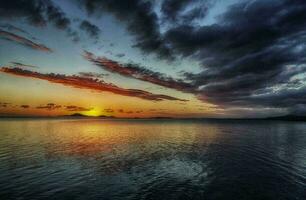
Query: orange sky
32,96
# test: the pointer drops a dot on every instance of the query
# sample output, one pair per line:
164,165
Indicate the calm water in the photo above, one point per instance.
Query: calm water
100,159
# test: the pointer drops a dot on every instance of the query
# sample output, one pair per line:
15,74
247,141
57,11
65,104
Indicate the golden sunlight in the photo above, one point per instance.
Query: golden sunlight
93,112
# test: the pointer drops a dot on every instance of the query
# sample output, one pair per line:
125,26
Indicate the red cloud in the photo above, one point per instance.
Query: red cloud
49,106
138,72
24,41
108,110
77,108
88,83
25,106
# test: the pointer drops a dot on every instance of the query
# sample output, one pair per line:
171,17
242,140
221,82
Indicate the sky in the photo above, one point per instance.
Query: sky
162,58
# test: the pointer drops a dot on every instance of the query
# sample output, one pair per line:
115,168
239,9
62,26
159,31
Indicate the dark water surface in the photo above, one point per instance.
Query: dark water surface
158,159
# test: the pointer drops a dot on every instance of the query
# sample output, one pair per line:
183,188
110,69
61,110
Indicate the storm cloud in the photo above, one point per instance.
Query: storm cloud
251,55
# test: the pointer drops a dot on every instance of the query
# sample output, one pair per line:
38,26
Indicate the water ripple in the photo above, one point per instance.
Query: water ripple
122,159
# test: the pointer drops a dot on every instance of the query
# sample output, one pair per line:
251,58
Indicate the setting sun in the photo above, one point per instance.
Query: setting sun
93,112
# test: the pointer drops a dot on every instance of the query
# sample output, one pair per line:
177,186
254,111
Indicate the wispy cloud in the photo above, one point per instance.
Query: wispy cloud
49,106
18,64
77,108
4,104
53,106
23,41
129,111
108,110
25,106
88,83
91,29
13,28
92,75
138,72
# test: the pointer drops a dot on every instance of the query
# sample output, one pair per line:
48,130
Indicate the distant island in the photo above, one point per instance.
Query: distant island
86,116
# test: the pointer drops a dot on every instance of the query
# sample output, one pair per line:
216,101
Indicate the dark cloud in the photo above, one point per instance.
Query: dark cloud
23,41
120,55
32,11
128,111
184,11
4,104
53,106
49,106
88,83
138,72
91,29
73,35
25,106
108,110
93,75
18,64
56,16
252,50
172,8
73,108
141,21
299,109
37,13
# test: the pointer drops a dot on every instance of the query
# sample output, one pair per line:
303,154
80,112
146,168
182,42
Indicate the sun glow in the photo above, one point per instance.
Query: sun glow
93,112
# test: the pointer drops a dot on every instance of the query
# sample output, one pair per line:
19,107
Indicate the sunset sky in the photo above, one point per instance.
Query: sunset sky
141,58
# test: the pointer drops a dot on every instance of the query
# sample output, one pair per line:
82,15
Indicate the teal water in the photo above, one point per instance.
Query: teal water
152,159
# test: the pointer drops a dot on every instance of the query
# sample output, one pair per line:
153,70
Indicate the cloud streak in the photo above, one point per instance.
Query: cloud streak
88,83
25,106
138,72
18,64
73,108
92,75
24,41
13,28
49,106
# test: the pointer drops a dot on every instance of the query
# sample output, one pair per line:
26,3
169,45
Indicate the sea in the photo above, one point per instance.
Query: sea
162,159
